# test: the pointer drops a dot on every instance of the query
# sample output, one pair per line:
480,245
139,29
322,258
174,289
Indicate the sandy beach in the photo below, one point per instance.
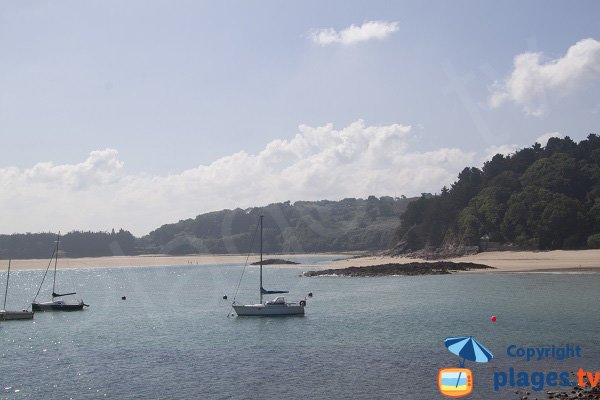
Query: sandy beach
153,261
503,261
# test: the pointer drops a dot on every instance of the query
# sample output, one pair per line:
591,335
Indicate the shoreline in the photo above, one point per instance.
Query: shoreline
502,261
158,260
558,261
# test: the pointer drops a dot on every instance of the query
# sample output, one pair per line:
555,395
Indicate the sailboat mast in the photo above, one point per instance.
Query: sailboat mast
261,258
55,262
6,290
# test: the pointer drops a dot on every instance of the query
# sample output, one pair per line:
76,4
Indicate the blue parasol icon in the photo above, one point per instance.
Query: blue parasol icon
468,348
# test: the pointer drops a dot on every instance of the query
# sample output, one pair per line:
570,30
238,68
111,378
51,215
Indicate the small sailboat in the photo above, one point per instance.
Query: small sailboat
275,307
6,315
54,304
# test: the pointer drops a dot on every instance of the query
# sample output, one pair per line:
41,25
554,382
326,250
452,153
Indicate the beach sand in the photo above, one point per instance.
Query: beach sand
153,261
503,261
123,261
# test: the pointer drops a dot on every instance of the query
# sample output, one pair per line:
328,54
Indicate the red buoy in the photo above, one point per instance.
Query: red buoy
493,318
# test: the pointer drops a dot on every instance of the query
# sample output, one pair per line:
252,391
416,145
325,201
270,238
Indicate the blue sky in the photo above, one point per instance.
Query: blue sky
139,110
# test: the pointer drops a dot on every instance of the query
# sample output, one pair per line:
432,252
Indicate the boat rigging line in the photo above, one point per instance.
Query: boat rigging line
246,263
45,273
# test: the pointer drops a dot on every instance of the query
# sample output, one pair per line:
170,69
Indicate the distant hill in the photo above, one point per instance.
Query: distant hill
304,226
73,244
539,197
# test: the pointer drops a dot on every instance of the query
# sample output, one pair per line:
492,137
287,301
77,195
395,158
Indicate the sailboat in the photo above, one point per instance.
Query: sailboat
10,315
275,307
54,304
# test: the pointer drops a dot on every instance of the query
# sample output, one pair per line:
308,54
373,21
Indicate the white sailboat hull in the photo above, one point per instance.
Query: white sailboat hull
266,310
13,315
272,308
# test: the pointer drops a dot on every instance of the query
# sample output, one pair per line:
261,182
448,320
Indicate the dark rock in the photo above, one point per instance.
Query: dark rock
415,268
272,261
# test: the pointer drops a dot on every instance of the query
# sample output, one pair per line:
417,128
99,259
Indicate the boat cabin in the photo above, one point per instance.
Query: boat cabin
277,301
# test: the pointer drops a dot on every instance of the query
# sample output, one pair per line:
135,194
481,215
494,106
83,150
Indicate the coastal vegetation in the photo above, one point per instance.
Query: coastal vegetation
72,244
540,197
537,198
304,226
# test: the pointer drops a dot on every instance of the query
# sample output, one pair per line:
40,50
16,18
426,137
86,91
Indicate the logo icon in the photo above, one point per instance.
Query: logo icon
455,382
458,382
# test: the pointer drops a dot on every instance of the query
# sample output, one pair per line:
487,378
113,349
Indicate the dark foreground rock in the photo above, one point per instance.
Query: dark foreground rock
576,392
415,268
272,261
571,393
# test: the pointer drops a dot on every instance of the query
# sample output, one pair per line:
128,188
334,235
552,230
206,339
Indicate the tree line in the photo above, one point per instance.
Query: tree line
72,244
304,226
539,197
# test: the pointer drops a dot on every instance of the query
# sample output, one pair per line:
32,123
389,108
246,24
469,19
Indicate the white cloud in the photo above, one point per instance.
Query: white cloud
544,138
533,79
354,34
505,149
101,167
317,163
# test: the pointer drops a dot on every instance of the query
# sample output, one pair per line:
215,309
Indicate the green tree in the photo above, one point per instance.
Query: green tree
521,223
562,223
557,173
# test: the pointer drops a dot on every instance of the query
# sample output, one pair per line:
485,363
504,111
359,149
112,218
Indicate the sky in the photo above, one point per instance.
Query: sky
135,114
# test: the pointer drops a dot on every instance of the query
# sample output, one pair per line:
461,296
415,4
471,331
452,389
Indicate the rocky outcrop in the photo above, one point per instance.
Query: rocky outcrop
273,261
416,268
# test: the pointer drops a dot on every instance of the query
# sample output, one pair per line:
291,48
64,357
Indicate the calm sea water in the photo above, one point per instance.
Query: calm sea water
361,338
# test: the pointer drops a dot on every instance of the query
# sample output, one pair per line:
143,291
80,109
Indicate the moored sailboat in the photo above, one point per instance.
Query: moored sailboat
54,304
6,315
275,307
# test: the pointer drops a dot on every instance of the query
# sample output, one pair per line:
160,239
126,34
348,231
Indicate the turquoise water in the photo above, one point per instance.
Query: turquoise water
361,338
